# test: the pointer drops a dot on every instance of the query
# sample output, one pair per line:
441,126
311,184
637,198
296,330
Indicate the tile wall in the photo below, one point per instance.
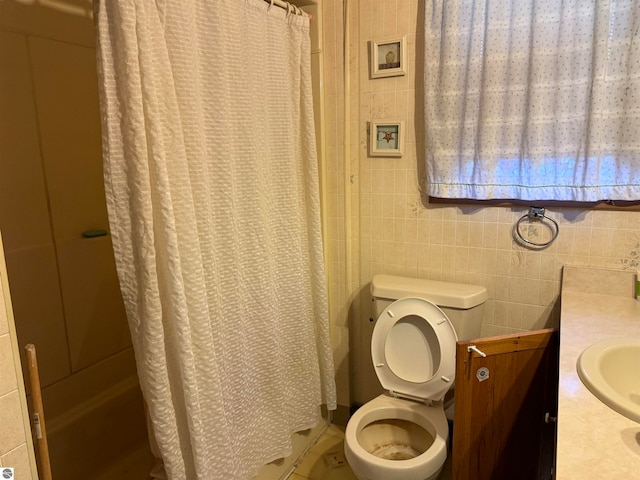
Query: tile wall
16,446
392,228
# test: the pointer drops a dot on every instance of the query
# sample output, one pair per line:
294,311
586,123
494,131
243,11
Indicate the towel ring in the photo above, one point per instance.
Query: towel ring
537,213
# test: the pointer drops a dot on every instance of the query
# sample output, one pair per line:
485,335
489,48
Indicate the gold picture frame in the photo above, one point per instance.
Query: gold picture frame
388,57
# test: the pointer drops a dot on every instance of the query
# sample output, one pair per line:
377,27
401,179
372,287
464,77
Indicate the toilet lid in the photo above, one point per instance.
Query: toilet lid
413,349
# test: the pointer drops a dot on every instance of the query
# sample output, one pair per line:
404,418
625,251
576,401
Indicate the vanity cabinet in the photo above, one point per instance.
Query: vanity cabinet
505,410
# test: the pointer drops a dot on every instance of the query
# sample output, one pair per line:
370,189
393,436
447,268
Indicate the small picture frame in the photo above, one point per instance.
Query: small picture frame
387,138
389,57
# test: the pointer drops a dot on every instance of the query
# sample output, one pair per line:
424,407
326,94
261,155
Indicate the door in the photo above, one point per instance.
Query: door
504,422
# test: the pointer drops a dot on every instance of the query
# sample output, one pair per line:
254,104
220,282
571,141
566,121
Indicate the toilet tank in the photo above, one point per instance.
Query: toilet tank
461,303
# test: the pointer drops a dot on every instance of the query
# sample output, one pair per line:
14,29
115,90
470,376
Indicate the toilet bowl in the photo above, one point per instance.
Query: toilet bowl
402,434
394,439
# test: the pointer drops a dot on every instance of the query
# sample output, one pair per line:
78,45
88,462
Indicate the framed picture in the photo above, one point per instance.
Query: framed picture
387,138
389,58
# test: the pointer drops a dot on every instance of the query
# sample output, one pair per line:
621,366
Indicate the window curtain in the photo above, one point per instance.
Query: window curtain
213,198
532,99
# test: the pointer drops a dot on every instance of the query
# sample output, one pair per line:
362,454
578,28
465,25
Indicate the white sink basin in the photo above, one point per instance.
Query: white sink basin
611,371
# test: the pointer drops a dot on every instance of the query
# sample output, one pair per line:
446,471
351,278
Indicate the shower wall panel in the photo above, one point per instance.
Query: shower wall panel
24,215
66,94
64,288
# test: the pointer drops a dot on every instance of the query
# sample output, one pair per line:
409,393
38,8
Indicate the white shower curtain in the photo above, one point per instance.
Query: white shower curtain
212,192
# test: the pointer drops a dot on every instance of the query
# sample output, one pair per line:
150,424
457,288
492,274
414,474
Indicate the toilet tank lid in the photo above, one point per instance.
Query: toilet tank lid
443,294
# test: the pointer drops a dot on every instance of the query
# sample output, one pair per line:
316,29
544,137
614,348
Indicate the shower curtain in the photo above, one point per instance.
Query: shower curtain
212,192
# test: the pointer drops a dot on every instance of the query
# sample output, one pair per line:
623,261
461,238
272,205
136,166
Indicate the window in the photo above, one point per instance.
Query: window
533,99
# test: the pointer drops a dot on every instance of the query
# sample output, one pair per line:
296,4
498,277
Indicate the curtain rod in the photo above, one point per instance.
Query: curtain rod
289,7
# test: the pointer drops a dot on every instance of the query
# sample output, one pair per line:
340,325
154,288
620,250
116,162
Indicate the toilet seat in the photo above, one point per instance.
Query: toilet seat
413,349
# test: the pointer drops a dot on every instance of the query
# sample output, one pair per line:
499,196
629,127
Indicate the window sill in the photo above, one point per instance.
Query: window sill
618,205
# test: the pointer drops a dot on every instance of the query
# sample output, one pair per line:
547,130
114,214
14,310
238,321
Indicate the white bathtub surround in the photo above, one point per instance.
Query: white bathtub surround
594,441
105,397
212,191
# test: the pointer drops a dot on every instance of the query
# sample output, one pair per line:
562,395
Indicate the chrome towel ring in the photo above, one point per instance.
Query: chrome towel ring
537,214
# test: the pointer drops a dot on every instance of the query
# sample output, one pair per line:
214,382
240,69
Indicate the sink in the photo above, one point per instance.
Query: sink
610,369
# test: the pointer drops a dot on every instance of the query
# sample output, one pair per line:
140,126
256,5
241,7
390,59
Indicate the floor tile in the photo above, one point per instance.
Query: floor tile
325,460
335,430
308,464
328,444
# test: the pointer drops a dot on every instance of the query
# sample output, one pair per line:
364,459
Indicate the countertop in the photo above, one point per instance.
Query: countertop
594,442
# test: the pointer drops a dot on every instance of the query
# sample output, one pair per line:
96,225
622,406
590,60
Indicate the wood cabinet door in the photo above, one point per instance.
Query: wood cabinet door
505,407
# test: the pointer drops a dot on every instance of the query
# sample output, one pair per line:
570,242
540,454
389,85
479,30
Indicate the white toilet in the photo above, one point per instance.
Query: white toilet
402,434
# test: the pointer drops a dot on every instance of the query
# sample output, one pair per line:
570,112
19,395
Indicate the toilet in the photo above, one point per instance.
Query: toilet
403,433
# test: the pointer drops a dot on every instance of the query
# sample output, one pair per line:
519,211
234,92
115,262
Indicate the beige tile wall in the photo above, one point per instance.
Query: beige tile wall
395,230
16,446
